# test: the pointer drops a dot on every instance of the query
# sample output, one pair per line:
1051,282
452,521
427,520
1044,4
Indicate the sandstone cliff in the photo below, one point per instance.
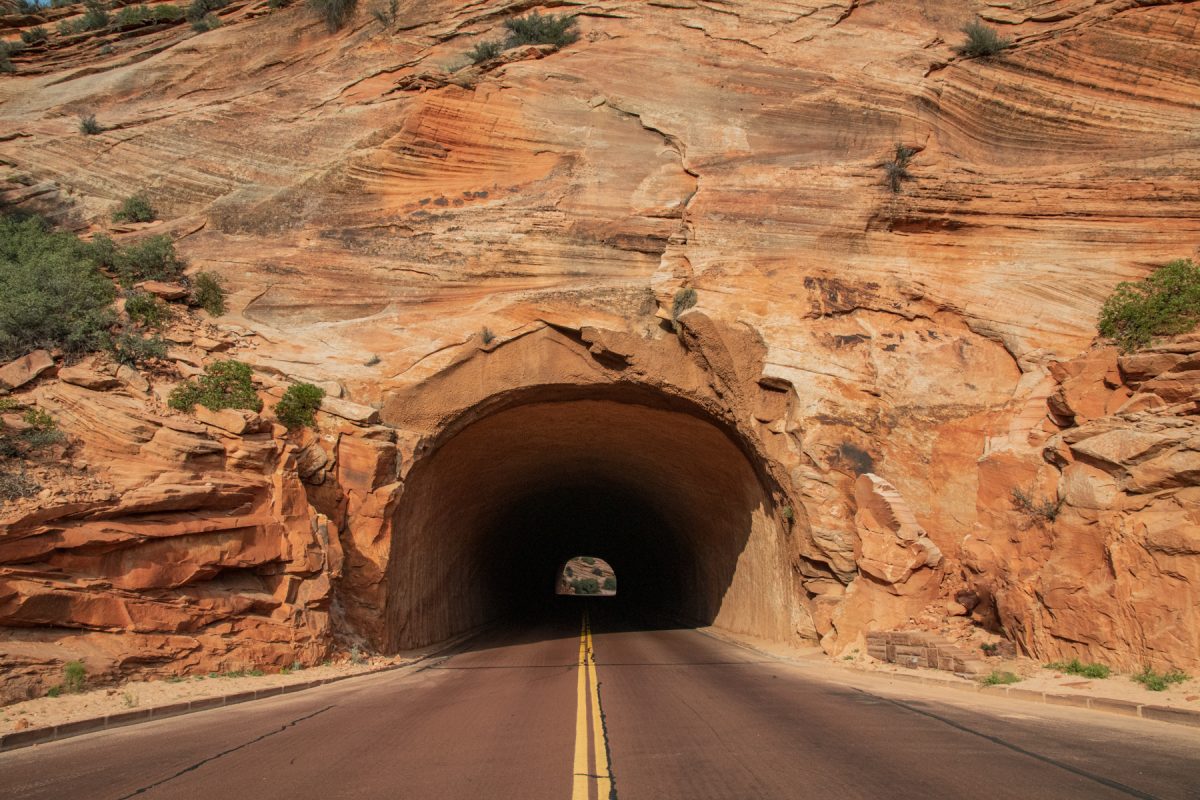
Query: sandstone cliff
894,364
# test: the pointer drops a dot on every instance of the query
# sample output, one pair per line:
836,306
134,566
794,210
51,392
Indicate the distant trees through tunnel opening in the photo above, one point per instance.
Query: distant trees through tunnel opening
586,575
665,494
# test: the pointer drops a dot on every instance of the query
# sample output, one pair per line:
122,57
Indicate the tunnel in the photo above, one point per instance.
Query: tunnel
667,495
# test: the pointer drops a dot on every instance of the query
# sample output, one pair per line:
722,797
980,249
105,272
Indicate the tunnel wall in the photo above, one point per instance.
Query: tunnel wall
612,422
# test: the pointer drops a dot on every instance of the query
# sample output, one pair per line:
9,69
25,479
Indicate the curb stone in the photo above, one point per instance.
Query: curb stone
67,730
1128,708
51,733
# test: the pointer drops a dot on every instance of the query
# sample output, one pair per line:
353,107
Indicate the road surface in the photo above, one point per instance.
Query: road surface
554,710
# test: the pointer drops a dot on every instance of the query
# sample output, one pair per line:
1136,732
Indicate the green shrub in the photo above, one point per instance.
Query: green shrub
299,405
386,16
278,3
335,13
896,170
209,22
15,483
541,29
1158,682
224,384
208,293
484,51
95,15
1165,303
610,584
1035,509
89,126
684,299
151,259
199,9
147,310
54,691
588,560
74,677
981,41
1077,667
6,64
167,13
585,585
133,16
486,335
51,294
997,678
134,349
36,35
135,208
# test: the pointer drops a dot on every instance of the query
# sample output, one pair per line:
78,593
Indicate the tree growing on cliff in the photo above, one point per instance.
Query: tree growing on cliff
135,208
1165,303
299,404
208,293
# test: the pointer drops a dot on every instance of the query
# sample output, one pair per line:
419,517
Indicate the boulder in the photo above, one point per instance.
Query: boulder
232,420
166,291
89,377
25,369
364,415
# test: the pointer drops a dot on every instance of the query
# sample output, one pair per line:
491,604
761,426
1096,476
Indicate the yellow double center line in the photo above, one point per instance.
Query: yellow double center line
591,762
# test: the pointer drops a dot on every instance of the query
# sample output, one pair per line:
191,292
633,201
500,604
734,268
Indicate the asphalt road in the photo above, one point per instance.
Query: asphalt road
510,715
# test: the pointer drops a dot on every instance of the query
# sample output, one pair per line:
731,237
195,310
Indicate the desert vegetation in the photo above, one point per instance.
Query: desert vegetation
535,28
895,169
982,41
51,293
224,384
334,13
1165,303
1033,508
135,208
1077,667
208,293
1160,681
298,406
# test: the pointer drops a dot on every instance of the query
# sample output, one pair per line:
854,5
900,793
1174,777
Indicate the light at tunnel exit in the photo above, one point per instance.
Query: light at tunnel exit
586,575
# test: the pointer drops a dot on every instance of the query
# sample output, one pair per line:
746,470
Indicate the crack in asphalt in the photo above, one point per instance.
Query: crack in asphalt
1120,787
202,762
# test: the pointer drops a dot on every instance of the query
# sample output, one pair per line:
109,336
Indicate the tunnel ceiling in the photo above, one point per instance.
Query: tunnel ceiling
666,496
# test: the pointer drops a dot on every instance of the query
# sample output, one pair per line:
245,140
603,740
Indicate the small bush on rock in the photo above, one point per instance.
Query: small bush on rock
386,15
133,349
36,35
95,17
151,259
88,125
537,28
684,299
982,41
208,293
299,405
199,9
15,483
147,310
585,586
167,13
224,384
1165,303
895,170
135,208
1033,508
485,50
335,13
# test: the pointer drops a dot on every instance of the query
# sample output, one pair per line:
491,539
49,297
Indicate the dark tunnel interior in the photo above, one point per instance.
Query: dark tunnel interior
664,495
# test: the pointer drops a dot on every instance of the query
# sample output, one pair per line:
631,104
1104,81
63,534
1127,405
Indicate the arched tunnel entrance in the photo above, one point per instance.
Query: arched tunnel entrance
666,494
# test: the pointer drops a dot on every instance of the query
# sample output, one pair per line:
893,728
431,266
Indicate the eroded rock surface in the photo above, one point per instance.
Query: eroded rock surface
426,242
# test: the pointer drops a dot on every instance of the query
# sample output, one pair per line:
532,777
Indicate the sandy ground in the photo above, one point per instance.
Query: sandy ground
46,711
1033,675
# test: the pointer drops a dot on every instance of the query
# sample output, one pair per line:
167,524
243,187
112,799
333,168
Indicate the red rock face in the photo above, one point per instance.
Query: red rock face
889,362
